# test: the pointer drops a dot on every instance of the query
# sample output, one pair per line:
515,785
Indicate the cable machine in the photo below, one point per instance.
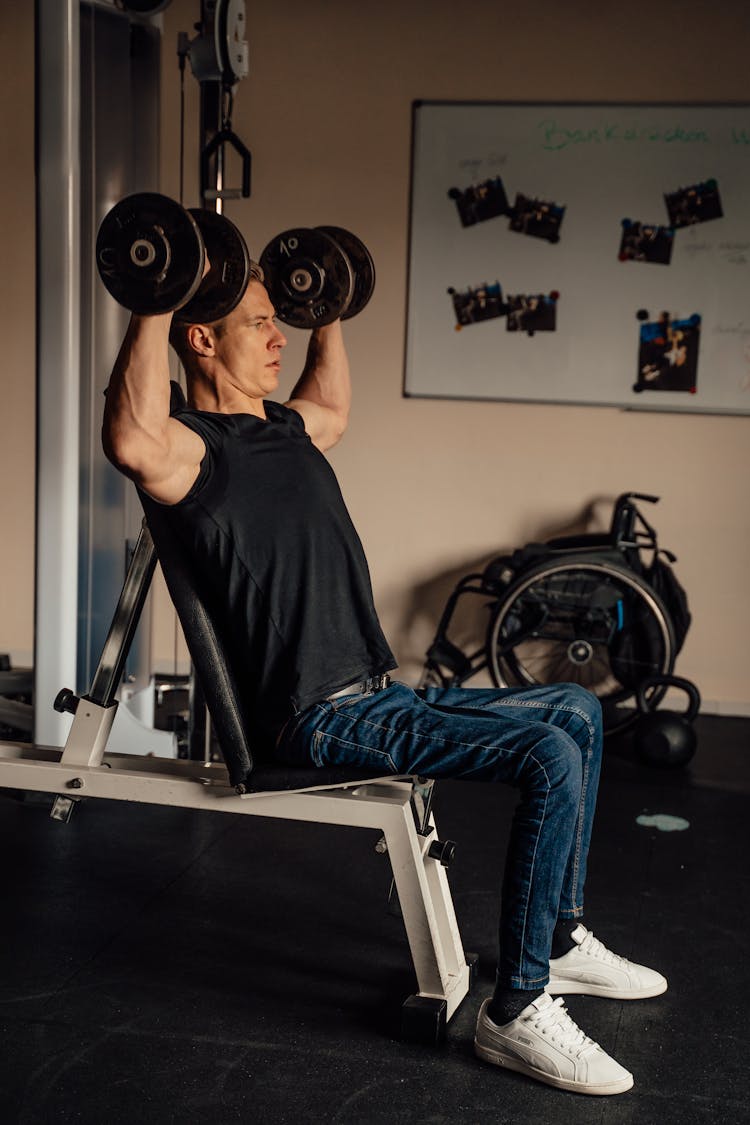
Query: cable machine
218,57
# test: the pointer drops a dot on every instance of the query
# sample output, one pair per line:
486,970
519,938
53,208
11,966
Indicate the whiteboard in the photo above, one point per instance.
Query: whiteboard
594,254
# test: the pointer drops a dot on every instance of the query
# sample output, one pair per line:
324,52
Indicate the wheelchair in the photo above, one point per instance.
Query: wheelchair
604,611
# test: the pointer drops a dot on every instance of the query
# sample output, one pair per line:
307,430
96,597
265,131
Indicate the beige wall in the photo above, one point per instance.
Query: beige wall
436,487
18,374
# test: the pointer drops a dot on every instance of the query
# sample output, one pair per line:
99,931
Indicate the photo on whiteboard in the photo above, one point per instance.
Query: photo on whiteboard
646,242
482,302
536,217
479,202
695,204
532,313
668,354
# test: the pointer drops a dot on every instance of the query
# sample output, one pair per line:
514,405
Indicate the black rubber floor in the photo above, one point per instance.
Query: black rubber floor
168,966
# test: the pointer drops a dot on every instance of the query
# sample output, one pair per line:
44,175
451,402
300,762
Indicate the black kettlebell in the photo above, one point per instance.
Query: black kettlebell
664,738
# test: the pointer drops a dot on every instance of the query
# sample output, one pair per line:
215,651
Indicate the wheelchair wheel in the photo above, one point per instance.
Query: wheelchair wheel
585,621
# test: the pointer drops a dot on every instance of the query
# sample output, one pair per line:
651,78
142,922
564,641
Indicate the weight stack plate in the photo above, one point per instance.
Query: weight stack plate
149,253
362,265
224,285
308,277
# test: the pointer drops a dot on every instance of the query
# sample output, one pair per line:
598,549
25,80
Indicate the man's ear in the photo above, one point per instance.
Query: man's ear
201,339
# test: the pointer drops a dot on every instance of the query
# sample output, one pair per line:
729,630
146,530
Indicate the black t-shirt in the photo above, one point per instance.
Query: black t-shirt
275,553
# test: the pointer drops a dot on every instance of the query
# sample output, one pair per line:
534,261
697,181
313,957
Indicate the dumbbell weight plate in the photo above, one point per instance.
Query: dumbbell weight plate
362,264
224,285
308,277
149,253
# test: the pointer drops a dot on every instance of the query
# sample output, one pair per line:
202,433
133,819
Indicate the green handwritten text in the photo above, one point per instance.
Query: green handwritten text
556,137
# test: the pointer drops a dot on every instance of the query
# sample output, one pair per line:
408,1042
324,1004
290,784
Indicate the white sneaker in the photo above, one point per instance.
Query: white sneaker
544,1043
591,969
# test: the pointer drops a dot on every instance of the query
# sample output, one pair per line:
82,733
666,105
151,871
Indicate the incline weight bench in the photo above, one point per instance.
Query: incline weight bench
398,806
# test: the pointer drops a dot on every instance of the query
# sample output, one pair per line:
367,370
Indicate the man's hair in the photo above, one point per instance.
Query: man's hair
180,325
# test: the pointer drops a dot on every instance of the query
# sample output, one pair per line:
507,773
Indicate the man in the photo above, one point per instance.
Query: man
241,483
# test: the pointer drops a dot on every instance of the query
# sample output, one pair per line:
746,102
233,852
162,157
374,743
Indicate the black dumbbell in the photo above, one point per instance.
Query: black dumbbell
151,253
362,266
315,276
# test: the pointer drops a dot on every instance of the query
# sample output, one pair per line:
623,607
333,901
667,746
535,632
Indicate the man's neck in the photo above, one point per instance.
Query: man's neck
205,395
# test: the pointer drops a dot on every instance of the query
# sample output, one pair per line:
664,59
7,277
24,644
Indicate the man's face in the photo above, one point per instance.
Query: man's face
249,344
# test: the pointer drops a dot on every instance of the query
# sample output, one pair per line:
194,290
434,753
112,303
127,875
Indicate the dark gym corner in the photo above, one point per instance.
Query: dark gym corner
165,964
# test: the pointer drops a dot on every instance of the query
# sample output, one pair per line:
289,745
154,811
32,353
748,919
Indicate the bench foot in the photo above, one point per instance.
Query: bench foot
424,1020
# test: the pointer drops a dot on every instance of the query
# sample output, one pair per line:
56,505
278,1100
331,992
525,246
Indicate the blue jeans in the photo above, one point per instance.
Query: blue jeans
545,741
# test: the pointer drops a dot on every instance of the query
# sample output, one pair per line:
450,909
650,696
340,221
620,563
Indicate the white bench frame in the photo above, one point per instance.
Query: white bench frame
383,803
396,806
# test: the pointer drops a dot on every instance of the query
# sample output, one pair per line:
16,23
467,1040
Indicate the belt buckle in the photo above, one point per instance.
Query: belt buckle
364,687
378,683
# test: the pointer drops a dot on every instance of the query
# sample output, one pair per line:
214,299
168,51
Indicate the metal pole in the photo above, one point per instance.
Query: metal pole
210,124
58,359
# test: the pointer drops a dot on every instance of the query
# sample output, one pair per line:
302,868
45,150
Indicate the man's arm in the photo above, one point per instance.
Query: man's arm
160,454
323,392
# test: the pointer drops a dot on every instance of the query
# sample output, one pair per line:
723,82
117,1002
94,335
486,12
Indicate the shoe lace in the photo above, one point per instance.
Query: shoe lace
554,1022
596,948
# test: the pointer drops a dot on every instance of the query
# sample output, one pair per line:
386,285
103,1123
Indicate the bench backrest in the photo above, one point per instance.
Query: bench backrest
216,677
